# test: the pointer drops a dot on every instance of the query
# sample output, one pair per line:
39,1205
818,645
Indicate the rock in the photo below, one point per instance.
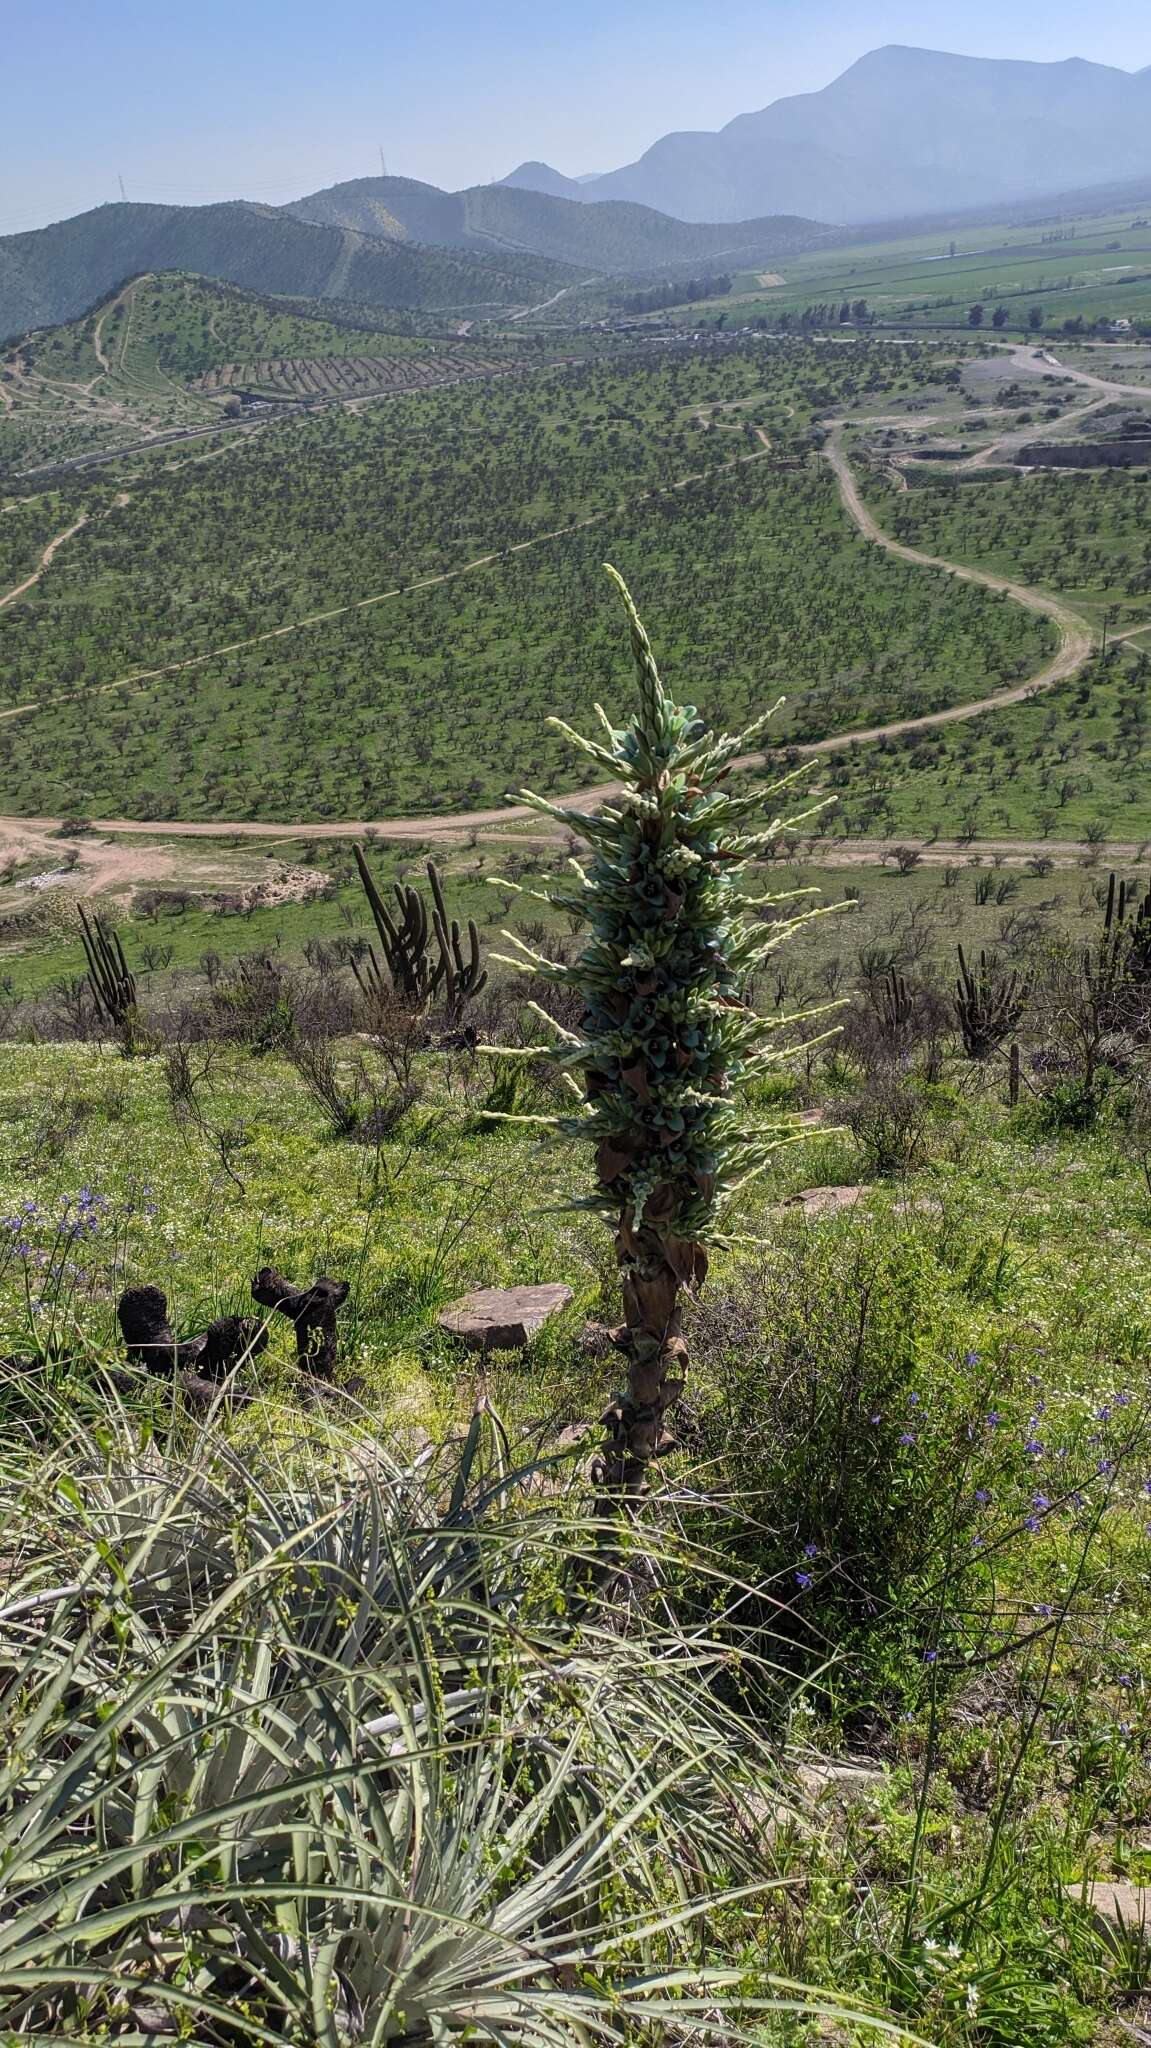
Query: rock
573,1436
844,1780
503,1318
1121,1912
824,1201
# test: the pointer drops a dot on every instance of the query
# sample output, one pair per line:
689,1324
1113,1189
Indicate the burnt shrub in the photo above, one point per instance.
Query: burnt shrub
892,1119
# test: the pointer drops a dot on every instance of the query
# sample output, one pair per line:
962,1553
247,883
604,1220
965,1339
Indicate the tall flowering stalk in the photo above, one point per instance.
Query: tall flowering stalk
668,1039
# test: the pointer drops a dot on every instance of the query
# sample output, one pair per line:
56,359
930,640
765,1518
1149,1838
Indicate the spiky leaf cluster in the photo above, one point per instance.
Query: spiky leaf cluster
668,1038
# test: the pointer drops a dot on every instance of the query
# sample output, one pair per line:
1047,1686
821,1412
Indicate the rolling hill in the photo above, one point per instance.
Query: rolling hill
616,237
903,131
53,274
169,353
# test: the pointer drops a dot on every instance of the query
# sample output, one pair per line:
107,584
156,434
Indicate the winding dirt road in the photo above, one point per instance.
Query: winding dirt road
1077,643
1076,637
1038,360
45,562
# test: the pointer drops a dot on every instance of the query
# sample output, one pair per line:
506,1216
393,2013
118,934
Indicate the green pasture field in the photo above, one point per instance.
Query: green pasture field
1103,270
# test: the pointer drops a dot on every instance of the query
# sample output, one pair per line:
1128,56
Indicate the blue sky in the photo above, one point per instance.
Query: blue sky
191,103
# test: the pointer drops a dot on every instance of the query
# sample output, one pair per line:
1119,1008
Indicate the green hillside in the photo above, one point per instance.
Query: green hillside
446,552
166,352
613,236
55,273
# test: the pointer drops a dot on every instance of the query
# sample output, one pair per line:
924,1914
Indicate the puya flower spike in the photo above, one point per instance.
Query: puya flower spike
668,1037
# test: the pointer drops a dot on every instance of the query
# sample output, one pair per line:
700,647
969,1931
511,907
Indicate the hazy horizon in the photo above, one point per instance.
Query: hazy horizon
263,106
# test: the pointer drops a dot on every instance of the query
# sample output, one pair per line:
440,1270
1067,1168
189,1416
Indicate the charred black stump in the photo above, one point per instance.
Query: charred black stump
201,1362
312,1313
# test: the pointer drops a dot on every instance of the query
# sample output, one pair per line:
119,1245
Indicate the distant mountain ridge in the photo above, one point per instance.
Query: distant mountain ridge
903,131
54,274
617,236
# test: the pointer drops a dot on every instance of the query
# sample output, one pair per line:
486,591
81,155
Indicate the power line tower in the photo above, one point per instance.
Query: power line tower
123,194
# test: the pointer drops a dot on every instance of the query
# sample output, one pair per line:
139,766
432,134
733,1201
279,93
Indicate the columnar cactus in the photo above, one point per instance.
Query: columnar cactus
415,977
110,979
989,1003
896,1008
668,1038
1117,968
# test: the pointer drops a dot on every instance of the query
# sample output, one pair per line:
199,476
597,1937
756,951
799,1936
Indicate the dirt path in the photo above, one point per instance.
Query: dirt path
1034,359
525,312
1076,636
98,335
126,296
360,604
46,559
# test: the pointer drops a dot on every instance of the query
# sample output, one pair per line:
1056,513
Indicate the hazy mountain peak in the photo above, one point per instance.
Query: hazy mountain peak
534,176
904,131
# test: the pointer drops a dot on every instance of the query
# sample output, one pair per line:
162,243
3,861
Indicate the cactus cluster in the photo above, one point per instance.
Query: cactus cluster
668,1037
896,1007
989,1003
110,979
413,972
1117,968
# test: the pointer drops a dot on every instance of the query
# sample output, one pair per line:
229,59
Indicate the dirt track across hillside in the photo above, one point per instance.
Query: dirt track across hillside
339,611
1077,639
1077,644
45,562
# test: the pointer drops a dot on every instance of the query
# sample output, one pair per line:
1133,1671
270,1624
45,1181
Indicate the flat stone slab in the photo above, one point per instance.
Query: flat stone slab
845,1780
824,1201
503,1318
1121,1912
